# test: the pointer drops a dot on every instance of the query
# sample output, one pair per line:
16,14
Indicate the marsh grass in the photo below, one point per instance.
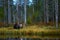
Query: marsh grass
30,31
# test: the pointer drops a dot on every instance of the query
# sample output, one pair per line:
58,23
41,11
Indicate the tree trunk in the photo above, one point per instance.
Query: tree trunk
53,11
25,3
5,13
33,8
44,11
17,19
47,14
9,13
56,12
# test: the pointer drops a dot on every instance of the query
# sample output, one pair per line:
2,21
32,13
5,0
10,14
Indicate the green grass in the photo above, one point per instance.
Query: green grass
30,31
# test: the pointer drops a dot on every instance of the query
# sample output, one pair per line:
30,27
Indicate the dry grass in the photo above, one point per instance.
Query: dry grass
29,30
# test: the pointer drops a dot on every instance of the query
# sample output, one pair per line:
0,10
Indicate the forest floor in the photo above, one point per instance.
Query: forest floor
30,31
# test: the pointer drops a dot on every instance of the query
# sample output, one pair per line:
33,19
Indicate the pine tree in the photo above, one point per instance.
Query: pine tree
56,12
9,12
25,3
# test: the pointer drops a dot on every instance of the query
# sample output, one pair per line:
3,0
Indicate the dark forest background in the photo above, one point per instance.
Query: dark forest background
45,12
